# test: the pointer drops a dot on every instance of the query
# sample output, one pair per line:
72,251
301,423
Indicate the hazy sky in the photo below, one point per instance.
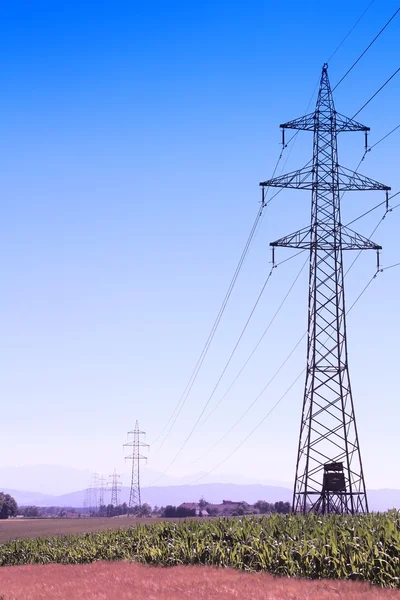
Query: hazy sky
133,139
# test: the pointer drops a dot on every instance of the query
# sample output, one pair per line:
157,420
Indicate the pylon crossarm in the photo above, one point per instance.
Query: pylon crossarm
136,432
346,124
306,123
352,181
351,240
298,239
348,181
300,180
136,444
348,239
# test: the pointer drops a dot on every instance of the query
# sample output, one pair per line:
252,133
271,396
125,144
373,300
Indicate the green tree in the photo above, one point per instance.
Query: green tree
282,507
144,510
170,511
239,511
31,511
264,507
8,506
183,512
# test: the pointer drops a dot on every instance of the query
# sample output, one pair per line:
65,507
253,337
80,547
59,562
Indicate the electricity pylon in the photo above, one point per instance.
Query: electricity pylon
136,457
94,490
115,481
329,473
102,488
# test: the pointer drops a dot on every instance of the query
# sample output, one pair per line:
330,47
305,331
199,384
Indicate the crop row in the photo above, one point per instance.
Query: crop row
365,547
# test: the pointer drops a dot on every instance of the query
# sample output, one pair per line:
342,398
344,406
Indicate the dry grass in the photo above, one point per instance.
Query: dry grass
11,529
126,581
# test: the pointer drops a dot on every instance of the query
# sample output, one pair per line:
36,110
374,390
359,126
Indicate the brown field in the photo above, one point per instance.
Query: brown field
126,581
11,529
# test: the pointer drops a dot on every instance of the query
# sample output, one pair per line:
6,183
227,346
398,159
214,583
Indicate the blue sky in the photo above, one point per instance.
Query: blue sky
134,136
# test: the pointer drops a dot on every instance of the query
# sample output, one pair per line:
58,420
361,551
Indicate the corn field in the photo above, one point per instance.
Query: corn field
363,547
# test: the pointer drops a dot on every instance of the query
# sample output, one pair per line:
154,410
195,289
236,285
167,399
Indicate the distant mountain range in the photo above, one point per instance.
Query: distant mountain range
379,500
55,483
56,480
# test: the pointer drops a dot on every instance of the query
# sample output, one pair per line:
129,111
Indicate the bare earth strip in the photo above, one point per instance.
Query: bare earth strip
126,581
11,529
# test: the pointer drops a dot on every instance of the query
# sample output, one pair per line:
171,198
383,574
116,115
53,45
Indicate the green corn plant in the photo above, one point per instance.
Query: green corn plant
363,547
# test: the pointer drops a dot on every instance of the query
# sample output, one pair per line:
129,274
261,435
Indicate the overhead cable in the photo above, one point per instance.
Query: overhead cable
215,387
383,138
377,92
366,49
256,346
181,402
289,355
283,396
351,31
255,400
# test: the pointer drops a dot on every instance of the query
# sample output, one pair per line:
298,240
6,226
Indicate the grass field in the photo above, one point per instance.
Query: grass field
124,581
12,529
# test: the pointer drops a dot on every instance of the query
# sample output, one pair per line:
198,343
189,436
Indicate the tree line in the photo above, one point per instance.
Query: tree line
9,508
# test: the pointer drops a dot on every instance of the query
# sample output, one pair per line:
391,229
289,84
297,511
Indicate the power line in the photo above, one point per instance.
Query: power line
285,393
377,92
366,49
297,132
379,270
200,361
351,31
252,431
234,381
235,346
329,59
284,146
293,349
370,236
389,267
255,400
390,209
384,137
180,404
363,290
223,372
215,387
256,346
366,213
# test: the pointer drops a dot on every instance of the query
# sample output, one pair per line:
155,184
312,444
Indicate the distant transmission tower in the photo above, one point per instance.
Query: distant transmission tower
115,481
102,488
94,484
86,500
329,474
136,457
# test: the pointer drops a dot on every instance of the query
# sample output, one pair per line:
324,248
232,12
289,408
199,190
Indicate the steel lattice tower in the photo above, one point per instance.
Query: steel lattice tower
94,490
115,481
329,473
136,457
101,489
